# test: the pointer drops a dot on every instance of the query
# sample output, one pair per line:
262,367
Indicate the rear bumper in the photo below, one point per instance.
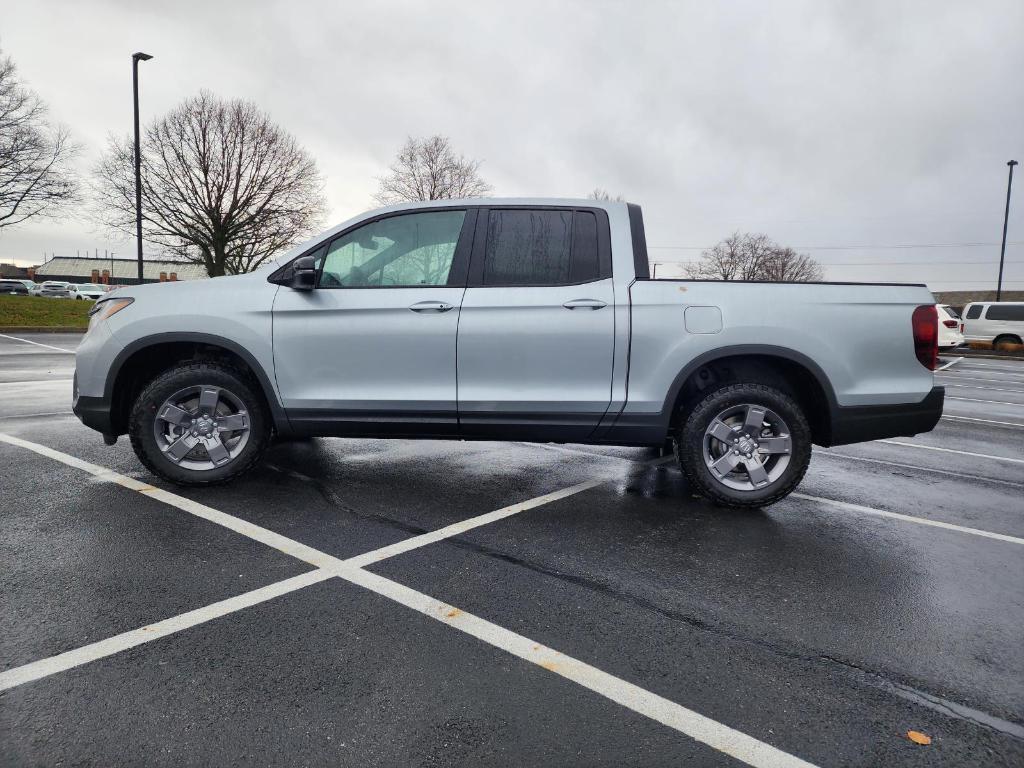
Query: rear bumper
858,424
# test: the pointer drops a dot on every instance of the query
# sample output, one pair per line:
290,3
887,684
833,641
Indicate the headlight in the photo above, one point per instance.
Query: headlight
101,310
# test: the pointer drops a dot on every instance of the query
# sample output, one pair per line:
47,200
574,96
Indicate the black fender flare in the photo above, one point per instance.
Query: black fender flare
278,414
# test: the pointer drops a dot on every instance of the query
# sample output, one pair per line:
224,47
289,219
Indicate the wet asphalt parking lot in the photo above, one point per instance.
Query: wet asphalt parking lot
360,602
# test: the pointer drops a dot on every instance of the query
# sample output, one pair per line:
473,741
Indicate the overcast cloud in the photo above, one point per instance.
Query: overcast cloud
821,124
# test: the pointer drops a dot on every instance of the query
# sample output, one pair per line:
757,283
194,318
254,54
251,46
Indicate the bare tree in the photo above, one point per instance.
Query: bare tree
222,186
429,169
754,257
598,193
36,178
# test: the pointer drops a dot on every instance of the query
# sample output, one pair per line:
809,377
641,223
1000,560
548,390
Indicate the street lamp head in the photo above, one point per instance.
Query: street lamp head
141,56
1012,163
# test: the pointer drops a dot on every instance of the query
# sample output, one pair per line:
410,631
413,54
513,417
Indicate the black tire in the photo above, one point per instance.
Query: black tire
689,444
189,374
1005,342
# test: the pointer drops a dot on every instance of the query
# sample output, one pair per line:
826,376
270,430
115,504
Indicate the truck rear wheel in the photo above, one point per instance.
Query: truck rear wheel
199,423
745,445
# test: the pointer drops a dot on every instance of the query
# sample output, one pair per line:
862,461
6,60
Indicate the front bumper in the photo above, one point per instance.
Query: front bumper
858,424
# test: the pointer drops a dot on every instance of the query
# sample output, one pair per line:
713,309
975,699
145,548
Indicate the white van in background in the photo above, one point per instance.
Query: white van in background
999,323
950,336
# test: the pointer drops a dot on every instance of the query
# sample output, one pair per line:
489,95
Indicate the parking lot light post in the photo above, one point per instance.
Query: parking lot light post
1006,218
136,58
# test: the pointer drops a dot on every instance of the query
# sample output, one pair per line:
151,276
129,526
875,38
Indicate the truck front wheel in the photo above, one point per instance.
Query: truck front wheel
744,445
199,423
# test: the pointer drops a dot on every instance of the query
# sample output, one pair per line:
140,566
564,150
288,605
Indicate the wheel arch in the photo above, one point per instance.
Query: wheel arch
772,365
139,362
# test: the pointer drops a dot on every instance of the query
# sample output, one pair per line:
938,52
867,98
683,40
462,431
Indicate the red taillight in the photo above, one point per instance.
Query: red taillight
925,323
961,327
949,323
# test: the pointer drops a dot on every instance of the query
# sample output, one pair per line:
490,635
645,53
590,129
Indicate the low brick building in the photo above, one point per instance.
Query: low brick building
74,269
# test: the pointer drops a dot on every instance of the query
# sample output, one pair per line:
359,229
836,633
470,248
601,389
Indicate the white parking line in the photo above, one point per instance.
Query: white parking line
984,421
964,376
907,518
991,402
33,381
951,450
946,472
99,650
29,341
700,728
949,364
33,415
987,389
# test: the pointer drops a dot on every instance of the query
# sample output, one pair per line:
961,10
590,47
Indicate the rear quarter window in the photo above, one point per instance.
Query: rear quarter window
973,312
1012,312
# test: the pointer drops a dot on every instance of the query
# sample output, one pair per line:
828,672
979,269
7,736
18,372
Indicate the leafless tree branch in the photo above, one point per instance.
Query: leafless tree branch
751,256
36,178
222,186
429,169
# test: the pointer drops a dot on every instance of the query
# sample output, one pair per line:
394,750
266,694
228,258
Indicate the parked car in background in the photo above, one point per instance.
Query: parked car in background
999,323
950,335
90,291
32,285
13,287
55,289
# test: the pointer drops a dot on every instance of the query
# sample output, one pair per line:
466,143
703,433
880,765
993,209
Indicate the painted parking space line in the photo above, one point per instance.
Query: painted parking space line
984,421
951,450
862,510
948,384
38,344
695,725
37,415
76,657
949,364
990,402
950,378
698,727
34,381
945,472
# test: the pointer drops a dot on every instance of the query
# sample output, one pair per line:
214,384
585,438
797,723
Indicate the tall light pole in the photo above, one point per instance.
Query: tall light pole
136,58
1006,218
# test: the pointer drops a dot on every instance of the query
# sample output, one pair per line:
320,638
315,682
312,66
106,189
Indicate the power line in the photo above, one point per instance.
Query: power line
847,247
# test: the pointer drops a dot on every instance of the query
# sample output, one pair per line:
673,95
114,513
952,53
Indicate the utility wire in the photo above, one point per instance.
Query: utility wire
847,247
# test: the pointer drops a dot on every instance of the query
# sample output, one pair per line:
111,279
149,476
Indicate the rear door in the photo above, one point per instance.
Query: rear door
536,333
371,349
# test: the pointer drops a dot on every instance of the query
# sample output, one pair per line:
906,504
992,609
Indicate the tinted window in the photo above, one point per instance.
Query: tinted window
973,312
1005,312
951,311
399,251
541,248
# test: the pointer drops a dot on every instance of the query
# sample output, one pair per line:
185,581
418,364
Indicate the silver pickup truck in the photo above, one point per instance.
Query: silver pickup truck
507,319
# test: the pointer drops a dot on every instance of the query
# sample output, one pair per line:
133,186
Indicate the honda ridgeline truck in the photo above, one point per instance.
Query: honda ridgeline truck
520,319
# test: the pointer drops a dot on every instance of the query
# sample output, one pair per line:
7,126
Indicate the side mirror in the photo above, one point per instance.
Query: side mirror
304,274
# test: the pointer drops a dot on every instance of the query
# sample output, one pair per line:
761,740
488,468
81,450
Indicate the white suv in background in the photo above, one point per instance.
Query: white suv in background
90,291
950,336
1000,323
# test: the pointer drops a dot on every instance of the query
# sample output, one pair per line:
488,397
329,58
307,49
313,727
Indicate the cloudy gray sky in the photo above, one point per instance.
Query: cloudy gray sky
852,125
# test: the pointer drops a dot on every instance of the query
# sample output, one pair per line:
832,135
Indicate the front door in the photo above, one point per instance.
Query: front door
537,328
371,350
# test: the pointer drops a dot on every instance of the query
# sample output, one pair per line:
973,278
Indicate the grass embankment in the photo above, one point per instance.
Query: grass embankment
40,312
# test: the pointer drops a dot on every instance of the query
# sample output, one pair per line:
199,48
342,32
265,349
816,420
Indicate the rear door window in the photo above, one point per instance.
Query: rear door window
1012,312
541,247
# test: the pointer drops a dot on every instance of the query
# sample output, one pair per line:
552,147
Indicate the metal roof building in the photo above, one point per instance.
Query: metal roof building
118,271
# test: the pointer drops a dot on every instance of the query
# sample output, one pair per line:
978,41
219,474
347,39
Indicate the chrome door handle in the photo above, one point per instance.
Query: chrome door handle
585,304
431,306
